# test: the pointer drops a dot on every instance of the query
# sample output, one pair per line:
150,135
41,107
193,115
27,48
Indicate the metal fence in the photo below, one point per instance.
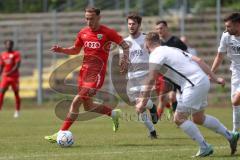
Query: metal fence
51,23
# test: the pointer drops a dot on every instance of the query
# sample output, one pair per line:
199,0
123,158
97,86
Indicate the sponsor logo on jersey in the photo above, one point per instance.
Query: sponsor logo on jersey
92,44
136,53
99,36
235,46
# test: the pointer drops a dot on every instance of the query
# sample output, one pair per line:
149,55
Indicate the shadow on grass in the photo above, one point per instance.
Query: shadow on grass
234,157
151,145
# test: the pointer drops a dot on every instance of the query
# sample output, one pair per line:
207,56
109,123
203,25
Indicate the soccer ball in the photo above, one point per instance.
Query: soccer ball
65,138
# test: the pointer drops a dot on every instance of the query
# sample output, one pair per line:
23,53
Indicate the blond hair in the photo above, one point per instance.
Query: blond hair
152,38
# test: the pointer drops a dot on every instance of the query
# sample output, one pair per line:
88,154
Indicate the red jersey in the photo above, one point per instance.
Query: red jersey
8,60
96,46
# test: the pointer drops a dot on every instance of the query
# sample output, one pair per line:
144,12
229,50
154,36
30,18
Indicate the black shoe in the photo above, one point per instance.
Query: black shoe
154,116
174,106
153,135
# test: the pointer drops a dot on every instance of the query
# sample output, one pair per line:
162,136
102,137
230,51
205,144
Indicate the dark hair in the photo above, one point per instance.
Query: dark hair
93,9
161,21
10,41
233,17
135,17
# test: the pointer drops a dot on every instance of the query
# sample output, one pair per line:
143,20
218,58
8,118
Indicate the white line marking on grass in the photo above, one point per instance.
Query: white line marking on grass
101,153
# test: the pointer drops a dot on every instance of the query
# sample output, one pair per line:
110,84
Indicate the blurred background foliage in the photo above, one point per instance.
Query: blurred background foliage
148,9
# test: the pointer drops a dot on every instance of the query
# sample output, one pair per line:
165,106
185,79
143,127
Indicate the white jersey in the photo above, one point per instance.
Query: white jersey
177,65
230,44
138,56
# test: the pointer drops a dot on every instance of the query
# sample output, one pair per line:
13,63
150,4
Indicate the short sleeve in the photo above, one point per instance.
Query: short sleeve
156,58
114,36
223,45
78,41
182,45
179,44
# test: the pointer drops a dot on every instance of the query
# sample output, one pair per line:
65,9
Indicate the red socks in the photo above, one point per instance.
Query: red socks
1,100
103,110
18,102
67,124
69,120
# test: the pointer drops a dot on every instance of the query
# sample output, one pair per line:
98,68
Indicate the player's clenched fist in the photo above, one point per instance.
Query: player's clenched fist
221,81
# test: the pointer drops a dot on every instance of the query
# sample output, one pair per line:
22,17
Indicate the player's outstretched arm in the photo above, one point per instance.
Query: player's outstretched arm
207,70
70,51
124,58
217,61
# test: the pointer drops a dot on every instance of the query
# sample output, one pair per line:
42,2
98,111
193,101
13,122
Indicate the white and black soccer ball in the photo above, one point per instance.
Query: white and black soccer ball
65,138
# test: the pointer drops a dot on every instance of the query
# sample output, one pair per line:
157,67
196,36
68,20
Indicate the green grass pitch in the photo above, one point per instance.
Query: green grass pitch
22,138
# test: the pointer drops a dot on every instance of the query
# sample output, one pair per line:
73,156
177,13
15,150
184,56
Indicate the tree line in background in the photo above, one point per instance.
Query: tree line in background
150,7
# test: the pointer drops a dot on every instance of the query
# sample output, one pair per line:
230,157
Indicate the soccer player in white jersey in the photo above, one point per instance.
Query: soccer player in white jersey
191,74
230,45
137,71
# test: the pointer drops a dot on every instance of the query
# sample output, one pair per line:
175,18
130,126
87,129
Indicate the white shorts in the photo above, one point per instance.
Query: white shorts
235,84
194,99
134,87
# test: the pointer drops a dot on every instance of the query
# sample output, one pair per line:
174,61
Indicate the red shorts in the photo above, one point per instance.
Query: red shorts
163,85
9,81
88,85
160,84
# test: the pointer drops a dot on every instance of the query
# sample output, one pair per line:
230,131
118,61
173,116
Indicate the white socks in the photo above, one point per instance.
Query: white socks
216,126
236,118
149,104
147,122
211,123
192,131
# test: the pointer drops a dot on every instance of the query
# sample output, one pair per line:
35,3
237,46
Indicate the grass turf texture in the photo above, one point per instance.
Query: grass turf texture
22,138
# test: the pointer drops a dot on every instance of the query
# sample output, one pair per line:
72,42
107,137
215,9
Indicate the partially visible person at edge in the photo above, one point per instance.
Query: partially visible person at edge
10,61
230,46
192,75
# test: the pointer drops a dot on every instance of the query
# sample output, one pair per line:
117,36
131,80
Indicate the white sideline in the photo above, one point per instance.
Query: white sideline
101,153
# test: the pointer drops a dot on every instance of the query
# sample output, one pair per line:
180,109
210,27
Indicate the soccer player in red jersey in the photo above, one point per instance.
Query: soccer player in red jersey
9,68
94,39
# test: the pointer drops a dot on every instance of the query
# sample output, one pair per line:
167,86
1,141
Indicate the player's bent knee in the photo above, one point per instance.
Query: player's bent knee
77,99
87,108
198,120
198,117
236,102
236,99
179,118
